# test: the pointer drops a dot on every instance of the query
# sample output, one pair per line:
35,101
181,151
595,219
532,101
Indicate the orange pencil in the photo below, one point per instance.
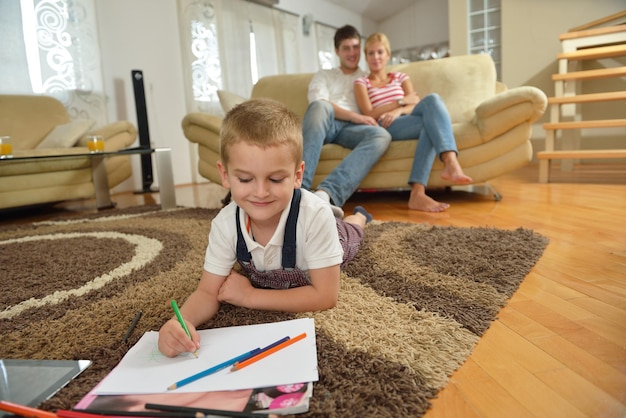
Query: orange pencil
25,411
263,354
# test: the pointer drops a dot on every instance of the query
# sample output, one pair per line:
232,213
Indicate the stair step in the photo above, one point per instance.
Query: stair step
591,74
588,98
594,53
607,123
592,32
573,154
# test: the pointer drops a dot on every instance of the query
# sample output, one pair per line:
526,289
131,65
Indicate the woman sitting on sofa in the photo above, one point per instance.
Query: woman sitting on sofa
389,98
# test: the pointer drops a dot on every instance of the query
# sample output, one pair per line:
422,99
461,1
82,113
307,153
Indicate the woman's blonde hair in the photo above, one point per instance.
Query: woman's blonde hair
264,123
378,37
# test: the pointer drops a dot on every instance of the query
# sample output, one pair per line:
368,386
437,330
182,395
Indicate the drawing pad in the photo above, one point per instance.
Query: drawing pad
30,382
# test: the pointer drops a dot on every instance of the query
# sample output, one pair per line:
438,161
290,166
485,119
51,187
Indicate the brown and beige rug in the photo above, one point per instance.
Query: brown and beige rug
412,306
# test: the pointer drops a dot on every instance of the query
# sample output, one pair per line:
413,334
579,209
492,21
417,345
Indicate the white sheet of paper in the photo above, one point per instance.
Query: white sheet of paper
145,370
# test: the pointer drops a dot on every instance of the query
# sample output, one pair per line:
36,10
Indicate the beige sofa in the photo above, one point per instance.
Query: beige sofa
29,120
492,124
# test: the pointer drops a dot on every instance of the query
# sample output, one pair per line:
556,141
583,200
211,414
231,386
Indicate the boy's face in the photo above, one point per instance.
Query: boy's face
349,53
261,181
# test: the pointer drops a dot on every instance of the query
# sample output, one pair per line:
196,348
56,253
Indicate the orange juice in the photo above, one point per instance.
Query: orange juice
6,149
95,144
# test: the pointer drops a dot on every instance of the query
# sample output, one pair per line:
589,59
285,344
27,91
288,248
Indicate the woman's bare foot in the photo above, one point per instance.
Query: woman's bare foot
419,200
452,170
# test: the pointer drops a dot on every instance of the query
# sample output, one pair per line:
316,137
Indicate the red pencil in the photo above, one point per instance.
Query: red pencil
25,411
263,354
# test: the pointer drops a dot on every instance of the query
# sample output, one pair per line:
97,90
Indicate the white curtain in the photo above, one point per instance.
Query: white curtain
200,50
51,47
289,39
324,36
217,39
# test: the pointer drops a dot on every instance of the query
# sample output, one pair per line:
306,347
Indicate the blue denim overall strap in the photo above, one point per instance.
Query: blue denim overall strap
288,260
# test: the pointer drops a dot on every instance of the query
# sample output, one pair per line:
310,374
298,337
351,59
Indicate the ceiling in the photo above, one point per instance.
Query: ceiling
375,10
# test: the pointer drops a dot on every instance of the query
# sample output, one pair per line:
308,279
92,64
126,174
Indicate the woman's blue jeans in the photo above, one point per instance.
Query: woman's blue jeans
368,144
430,123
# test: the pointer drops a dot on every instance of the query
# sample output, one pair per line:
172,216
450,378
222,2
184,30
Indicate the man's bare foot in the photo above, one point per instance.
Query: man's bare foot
452,170
422,202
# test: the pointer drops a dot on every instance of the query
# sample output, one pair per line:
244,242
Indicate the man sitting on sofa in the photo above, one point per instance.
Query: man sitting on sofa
333,117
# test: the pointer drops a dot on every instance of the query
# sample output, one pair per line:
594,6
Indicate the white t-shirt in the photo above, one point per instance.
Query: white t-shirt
336,87
317,240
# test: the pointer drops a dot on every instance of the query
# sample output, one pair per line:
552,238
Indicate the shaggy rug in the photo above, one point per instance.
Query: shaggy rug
412,305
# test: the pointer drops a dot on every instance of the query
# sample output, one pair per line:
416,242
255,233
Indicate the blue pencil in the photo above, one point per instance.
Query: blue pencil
214,369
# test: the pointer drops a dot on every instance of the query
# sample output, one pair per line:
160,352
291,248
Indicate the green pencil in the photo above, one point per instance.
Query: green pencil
182,322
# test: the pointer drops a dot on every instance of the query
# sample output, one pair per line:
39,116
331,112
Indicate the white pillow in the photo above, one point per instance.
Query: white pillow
67,135
229,100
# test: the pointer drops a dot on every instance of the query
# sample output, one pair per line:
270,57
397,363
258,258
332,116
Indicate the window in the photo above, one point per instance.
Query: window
51,48
484,30
230,44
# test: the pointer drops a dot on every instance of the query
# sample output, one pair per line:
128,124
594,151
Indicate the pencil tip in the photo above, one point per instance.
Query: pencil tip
172,387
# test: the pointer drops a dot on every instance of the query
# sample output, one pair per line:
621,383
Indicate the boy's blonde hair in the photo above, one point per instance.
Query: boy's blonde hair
264,123
378,37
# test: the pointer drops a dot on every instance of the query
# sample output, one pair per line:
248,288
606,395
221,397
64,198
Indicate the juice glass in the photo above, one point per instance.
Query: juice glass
6,149
95,143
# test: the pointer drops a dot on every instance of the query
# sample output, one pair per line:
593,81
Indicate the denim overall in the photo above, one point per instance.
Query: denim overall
287,277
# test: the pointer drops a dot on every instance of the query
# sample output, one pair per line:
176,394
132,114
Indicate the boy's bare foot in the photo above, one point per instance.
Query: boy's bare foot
422,202
452,170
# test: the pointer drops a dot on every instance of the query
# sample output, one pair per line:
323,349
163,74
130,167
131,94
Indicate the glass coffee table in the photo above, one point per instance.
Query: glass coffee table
162,159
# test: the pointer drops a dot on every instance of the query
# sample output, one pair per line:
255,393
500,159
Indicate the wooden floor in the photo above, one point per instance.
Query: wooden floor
558,348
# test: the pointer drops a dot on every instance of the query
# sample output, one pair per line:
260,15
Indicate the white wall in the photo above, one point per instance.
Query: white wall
135,34
423,23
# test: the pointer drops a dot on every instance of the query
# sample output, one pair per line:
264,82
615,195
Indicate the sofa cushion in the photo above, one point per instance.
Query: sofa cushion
29,118
66,135
229,100
463,82
289,89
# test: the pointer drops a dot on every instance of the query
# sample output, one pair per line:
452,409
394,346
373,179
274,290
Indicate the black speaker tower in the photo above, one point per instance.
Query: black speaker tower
144,132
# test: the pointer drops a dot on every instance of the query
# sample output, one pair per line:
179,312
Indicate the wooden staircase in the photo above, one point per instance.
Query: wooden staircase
580,44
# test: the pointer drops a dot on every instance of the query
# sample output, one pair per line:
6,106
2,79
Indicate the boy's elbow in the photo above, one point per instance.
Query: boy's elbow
330,302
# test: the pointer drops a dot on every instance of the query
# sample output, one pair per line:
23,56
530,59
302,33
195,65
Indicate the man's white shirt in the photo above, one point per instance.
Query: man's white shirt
336,87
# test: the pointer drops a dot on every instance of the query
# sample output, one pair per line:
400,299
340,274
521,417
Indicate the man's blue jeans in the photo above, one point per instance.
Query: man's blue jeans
368,144
430,123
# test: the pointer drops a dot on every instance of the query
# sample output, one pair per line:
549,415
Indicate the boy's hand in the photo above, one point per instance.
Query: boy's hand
173,340
235,290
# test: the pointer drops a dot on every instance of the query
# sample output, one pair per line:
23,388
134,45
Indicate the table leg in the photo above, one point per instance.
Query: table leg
101,182
163,161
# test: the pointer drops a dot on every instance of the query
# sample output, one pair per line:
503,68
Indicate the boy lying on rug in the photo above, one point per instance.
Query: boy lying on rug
286,239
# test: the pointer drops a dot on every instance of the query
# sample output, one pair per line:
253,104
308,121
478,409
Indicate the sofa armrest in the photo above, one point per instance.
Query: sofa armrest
202,129
511,108
116,135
